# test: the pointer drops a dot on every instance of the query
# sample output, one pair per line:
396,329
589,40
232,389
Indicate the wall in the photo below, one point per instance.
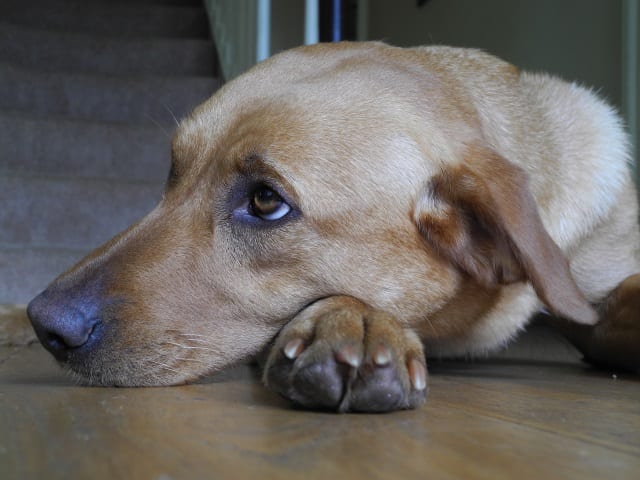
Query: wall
579,40
631,71
233,25
287,24
576,39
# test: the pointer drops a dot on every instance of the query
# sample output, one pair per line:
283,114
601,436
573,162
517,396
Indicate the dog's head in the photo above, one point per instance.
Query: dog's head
330,170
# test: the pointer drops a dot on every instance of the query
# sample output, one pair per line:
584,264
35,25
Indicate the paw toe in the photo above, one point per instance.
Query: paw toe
378,389
319,384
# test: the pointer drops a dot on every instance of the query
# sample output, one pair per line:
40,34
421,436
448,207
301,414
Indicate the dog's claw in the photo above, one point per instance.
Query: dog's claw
342,355
382,355
417,374
293,348
349,354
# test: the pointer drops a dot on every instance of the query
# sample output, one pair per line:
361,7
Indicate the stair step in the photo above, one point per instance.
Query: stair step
161,100
88,94
61,51
68,148
70,213
24,272
179,3
117,19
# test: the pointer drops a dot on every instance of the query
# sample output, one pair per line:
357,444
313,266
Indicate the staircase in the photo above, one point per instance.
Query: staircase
90,92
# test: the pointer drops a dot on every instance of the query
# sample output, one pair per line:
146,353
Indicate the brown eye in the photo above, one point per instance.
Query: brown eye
268,205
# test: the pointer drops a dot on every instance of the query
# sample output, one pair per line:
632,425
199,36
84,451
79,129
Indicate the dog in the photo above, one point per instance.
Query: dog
356,208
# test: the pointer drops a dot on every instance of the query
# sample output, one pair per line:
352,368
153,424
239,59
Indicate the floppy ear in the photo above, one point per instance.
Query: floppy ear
482,216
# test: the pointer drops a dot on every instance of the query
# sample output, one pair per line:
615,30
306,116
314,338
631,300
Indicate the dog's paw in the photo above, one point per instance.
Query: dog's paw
339,354
613,342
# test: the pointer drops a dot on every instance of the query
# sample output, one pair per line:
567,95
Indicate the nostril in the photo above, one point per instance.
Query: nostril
54,342
69,332
72,330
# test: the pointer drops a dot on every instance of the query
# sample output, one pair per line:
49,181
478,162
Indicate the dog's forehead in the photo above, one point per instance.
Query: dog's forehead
325,78
321,116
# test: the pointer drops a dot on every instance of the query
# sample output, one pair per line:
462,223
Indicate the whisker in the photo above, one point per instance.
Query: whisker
190,337
193,335
430,324
196,360
157,124
171,113
188,347
164,365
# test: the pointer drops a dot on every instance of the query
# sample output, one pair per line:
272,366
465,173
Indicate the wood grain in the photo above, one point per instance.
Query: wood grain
493,420
15,329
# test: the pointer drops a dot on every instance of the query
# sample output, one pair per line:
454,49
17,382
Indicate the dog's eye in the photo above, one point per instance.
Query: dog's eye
268,205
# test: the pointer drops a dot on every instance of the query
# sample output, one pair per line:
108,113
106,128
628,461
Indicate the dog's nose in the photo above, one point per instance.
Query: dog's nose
61,326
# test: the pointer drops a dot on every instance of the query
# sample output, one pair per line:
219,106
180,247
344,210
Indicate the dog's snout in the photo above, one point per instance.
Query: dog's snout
61,326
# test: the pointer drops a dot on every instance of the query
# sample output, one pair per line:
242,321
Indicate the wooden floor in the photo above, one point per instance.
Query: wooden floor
491,419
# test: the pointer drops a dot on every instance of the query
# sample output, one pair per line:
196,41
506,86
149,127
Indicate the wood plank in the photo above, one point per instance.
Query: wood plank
569,399
486,420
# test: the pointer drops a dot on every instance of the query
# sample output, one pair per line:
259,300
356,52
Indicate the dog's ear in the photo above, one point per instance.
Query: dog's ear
482,216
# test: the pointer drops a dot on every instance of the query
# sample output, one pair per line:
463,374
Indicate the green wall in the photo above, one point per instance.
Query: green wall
576,39
579,40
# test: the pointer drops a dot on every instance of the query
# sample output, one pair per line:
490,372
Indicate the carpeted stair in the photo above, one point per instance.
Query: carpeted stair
90,91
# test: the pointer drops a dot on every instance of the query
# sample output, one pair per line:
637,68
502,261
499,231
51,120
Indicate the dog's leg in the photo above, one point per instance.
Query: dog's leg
340,354
614,342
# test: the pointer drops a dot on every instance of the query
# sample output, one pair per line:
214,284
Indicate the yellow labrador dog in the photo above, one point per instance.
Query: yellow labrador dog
360,205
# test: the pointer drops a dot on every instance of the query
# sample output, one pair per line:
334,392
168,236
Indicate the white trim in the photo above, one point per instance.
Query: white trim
263,41
630,75
311,22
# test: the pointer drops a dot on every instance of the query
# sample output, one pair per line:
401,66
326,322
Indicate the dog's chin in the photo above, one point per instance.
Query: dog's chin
130,375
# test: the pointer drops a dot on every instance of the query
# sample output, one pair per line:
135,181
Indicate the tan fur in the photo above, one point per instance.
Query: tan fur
355,135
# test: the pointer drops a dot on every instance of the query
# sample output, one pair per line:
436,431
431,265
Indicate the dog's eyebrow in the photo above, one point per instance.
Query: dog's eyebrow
254,165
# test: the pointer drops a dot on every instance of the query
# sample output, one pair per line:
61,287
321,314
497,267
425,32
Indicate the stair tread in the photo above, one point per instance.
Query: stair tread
70,214
90,95
26,271
125,18
183,3
100,97
62,51
75,148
